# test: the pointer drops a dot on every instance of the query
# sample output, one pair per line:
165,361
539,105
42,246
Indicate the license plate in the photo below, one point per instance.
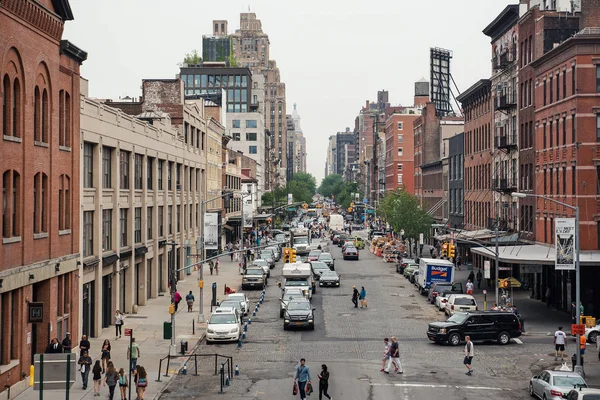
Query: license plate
465,308
298,323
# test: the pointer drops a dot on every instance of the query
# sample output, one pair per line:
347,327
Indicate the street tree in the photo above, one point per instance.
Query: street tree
331,185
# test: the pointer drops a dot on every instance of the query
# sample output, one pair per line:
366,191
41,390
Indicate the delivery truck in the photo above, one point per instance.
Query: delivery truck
298,275
432,270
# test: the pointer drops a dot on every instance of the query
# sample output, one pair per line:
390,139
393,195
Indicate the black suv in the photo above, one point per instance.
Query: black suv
480,326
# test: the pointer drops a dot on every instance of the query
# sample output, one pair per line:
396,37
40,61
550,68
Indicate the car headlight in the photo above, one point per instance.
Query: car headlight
234,330
287,321
210,330
244,280
443,330
310,321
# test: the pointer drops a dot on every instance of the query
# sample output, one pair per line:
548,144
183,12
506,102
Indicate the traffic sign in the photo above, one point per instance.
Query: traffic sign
577,329
127,332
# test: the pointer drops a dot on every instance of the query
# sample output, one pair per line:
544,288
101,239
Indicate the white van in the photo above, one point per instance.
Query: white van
298,275
336,222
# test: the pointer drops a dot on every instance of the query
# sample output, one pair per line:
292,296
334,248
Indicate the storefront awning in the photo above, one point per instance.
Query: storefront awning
111,259
467,235
141,250
262,216
536,254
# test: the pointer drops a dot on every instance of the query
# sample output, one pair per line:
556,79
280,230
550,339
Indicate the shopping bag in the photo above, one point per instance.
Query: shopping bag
295,389
309,389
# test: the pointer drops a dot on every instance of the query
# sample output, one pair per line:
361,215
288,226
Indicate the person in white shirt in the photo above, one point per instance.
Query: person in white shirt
469,354
560,342
469,287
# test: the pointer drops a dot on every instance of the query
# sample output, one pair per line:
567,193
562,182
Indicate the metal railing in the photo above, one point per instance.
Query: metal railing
228,361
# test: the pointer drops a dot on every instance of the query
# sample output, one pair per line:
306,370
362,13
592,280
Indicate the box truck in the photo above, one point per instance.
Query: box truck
433,270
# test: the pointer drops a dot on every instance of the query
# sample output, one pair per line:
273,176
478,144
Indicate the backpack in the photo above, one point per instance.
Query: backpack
122,380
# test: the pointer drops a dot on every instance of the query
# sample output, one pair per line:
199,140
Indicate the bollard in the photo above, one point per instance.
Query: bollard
261,300
250,320
243,335
239,343
246,326
237,369
184,371
227,381
253,314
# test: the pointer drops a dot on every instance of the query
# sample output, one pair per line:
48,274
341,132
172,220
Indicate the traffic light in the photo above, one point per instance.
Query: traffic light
293,256
286,255
445,250
451,250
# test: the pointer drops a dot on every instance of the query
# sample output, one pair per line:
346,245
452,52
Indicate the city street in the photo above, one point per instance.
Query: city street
350,342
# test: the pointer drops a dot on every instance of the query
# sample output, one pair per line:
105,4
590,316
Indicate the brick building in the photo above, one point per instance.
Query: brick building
400,156
39,87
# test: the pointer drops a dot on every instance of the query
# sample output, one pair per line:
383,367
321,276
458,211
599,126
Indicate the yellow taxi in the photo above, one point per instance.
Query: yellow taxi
359,243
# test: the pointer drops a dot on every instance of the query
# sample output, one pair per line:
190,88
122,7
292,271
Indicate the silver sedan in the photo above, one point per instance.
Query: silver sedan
551,385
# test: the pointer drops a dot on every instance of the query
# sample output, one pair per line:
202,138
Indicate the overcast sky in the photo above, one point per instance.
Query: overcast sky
332,54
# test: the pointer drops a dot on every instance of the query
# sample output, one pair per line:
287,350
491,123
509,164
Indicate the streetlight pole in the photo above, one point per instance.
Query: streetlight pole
578,366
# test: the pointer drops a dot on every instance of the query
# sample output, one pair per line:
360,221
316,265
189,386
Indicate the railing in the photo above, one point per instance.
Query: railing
505,101
504,184
228,361
506,141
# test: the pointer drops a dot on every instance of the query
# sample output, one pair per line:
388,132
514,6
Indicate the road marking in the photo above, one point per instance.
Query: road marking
518,341
435,386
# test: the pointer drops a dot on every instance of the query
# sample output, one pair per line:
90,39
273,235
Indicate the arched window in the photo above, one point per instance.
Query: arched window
37,108
16,109
64,118
45,116
64,203
6,88
40,203
11,204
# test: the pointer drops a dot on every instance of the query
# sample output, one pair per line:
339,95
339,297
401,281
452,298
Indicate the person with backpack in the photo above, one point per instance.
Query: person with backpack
122,378
176,300
324,382
362,295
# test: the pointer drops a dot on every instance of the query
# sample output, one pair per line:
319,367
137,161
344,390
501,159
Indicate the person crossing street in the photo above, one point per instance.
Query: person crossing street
469,354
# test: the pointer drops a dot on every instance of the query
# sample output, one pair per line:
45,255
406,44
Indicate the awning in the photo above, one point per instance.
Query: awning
234,219
535,254
126,253
91,263
467,235
111,259
262,216
141,250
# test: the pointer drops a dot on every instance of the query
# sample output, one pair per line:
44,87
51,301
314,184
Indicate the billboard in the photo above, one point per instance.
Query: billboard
211,231
248,212
290,198
564,230
439,71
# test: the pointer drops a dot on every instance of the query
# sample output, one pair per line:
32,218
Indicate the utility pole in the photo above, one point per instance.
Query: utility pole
173,279
497,268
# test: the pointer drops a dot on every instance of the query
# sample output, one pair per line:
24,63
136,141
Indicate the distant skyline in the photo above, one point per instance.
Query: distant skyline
333,56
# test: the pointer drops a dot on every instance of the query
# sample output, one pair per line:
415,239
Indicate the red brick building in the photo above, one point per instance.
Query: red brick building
400,155
39,118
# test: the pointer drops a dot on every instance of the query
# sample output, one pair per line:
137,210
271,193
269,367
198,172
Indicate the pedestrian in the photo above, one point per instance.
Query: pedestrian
189,299
176,300
211,266
110,379
302,378
324,382
386,353
469,354
85,364
141,382
394,354
66,343
582,342
355,296
123,383
118,324
548,297
471,277
54,347
431,251
134,353
217,266
363,297
479,277
469,287
84,345
105,354
97,377
560,343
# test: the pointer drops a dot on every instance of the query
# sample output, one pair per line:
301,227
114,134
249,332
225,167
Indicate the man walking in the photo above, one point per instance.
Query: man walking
355,296
479,276
469,354
302,378
66,343
134,352
560,342
189,299
394,357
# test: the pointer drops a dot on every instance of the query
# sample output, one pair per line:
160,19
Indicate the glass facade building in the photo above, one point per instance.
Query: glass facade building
237,83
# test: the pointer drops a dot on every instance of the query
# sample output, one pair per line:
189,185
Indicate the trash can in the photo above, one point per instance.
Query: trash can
167,330
184,346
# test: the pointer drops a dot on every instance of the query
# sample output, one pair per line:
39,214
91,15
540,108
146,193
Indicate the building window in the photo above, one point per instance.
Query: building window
106,230
137,173
88,233
64,119
6,107
169,176
124,164
399,166
597,127
236,123
150,173
400,125
16,109
251,136
64,202
564,84
574,82
88,165
170,219
149,222
400,138
161,212
160,174
236,136
11,204
123,219
40,203
251,123
545,102
107,167
399,179
252,150
137,225
551,88
400,151
178,218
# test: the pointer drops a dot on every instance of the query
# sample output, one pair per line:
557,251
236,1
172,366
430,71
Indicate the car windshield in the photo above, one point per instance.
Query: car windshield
292,296
319,265
325,256
260,263
301,240
264,255
591,396
222,319
458,318
300,282
441,288
329,274
464,301
254,272
232,304
314,253
280,237
239,297
569,381
299,305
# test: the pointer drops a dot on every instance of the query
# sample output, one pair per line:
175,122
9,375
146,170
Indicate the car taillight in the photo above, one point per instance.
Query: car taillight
452,306
444,301
476,309
434,294
555,393
519,326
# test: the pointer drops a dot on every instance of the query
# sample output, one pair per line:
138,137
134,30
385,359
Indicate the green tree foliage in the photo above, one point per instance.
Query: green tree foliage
192,58
344,198
331,185
302,186
402,211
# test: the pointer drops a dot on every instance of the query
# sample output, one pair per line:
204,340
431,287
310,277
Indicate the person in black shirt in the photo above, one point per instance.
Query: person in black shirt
324,382
66,343
54,347
84,345
355,296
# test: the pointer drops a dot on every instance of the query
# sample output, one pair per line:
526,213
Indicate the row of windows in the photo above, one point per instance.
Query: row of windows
478,177
552,132
456,201
456,167
250,136
215,81
555,83
12,113
193,136
12,203
192,175
478,108
250,123
478,139
555,181
477,213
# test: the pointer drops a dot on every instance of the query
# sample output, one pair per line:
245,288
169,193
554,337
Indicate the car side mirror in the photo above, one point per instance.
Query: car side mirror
314,309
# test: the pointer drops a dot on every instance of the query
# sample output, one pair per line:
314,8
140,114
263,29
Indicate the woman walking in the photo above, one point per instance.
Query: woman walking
97,377
363,297
110,379
123,383
217,266
142,382
105,354
324,382
118,323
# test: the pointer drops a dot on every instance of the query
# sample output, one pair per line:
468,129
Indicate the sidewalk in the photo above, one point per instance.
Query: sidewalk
147,327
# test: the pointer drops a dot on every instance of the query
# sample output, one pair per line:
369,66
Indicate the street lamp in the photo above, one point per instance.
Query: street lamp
519,195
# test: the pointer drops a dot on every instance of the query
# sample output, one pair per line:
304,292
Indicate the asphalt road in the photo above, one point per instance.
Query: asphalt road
350,342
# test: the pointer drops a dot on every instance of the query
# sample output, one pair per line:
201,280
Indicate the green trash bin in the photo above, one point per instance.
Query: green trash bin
167,330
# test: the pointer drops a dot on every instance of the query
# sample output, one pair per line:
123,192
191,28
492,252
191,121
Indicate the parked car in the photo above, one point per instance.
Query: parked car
236,304
442,298
329,278
328,259
551,385
318,267
276,250
583,394
288,295
499,326
409,269
402,264
350,252
460,303
591,334
223,325
413,277
267,255
439,287
242,298
299,314
266,267
254,278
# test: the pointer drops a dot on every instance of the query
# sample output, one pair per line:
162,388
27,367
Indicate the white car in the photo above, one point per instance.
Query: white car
591,334
264,264
242,298
551,385
460,303
441,299
223,326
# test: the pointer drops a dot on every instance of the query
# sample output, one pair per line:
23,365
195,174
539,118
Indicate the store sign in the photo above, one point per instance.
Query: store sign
248,214
211,231
564,229
486,270
290,198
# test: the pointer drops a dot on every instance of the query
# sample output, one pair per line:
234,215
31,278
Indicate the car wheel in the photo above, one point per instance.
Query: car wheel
503,338
454,339
285,327
531,392
312,327
280,313
593,336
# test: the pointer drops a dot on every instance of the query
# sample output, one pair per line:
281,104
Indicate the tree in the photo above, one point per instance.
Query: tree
192,58
302,186
402,211
345,197
331,185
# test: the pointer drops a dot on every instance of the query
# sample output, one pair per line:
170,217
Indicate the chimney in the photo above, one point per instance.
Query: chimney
590,14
